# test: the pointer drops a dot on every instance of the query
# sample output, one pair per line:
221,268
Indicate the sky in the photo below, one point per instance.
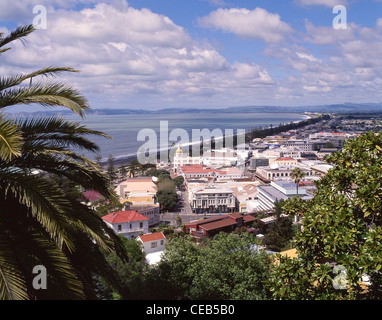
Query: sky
154,54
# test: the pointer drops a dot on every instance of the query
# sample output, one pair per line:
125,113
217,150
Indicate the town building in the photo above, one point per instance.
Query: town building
127,223
212,200
138,191
151,211
153,245
224,223
184,159
269,194
258,162
273,173
303,145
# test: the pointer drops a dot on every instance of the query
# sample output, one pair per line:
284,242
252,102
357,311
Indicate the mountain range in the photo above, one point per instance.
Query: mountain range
332,108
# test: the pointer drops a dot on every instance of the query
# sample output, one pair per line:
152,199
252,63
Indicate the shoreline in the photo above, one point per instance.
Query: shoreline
126,160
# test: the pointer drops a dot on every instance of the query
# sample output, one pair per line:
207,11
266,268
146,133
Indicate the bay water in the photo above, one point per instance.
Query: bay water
124,129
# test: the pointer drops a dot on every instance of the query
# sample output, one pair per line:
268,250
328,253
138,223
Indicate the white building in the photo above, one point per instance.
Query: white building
127,223
183,159
304,145
153,245
269,194
212,200
152,242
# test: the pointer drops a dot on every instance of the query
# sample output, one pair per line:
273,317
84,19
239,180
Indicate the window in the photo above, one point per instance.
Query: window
161,242
140,224
119,227
154,244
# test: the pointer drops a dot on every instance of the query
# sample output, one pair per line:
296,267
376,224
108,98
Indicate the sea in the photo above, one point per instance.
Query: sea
128,131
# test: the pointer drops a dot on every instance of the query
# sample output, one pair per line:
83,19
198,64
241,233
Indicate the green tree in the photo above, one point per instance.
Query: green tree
280,232
129,274
167,199
111,173
342,226
179,182
41,221
133,168
226,267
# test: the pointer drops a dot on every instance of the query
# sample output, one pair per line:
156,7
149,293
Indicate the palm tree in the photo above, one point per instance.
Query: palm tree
297,174
42,221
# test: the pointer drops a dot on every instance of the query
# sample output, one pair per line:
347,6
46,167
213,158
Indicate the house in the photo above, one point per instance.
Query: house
152,242
226,223
127,223
153,246
150,211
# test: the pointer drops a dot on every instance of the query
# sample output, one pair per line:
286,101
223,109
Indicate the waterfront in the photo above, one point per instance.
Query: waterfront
124,129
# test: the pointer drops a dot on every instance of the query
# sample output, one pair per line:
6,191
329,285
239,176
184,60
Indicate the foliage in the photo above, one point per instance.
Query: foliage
341,226
129,273
179,180
280,232
166,191
225,267
167,199
42,222
105,207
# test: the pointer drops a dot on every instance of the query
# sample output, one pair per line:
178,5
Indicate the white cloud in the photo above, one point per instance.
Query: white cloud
254,24
134,54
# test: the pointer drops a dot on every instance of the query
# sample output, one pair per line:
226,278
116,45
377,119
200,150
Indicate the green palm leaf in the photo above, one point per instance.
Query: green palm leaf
10,139
17,34
12,283
11,81
48,95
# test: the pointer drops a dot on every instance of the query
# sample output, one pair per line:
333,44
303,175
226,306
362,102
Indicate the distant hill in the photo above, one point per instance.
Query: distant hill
333,108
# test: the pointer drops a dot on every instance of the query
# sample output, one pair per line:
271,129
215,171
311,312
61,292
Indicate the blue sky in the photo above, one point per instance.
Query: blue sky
204,53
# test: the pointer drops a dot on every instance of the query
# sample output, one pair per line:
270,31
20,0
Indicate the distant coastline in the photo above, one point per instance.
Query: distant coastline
332,108
258,133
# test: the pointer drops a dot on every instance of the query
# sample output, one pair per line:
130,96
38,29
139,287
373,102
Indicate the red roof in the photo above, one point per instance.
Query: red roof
195,169
124,216
218,224
92,195
152,236
284,159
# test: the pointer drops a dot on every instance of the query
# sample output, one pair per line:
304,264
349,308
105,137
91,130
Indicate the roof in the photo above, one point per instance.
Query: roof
218,224
92,195
249,218
152,236
124,216
235,215
196,168
203,221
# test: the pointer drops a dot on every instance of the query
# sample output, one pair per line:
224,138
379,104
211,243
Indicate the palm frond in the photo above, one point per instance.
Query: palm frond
48,95
12,282
44,200
10,139
18,33
11,81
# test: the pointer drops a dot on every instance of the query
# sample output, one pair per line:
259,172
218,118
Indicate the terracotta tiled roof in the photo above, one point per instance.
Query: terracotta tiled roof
152,236
124,216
